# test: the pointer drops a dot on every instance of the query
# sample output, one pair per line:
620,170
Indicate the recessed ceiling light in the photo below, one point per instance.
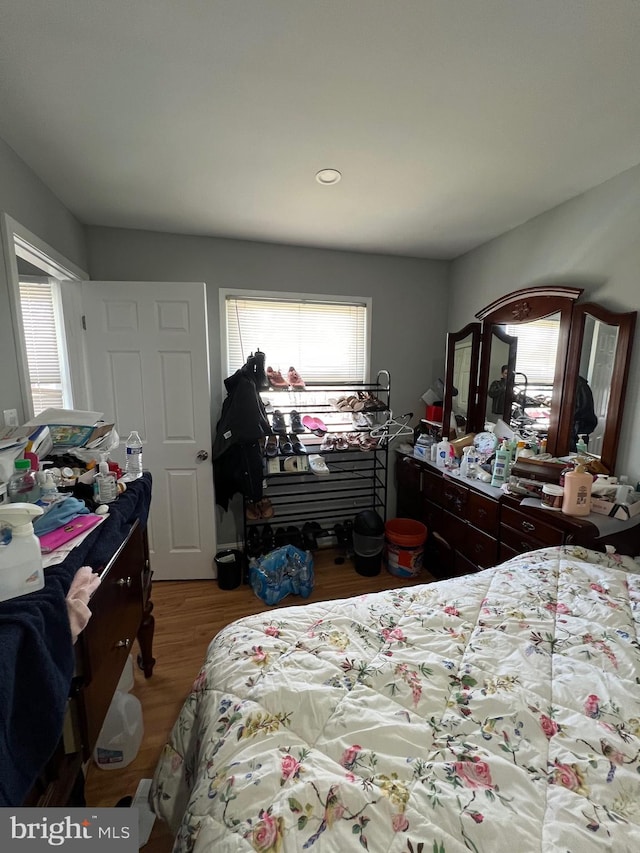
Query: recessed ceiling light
328,176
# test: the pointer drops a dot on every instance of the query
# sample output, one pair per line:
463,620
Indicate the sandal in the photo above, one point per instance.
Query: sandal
266,508
328,443
272,446
276,379
295,380
340,442
252,511
318,466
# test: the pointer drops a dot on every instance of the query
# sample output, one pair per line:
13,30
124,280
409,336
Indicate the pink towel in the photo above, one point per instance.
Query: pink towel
82,586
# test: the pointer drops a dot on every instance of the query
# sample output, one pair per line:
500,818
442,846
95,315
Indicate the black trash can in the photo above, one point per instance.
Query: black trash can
229,567
368,542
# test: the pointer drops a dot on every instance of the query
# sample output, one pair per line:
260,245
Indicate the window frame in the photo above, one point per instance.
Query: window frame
19,241
290,296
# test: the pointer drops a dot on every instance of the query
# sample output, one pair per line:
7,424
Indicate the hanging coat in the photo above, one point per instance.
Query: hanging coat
238,446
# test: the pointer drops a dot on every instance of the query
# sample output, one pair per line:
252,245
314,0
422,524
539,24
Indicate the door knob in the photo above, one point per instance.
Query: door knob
202,455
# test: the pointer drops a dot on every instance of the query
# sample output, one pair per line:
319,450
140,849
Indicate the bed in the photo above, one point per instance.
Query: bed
494,712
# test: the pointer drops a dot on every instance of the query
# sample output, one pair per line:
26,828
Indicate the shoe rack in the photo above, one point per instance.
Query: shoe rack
356,456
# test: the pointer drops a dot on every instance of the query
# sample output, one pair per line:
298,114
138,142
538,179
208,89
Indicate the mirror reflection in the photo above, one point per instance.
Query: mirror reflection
595,373
521,374
462,383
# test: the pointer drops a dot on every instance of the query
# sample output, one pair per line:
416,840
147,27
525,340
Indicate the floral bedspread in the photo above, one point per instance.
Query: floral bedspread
494,712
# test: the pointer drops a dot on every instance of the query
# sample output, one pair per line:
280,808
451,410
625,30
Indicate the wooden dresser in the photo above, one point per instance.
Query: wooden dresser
472,526
121,611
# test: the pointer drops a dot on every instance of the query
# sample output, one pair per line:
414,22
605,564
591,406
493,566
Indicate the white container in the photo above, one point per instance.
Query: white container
121,734
552,496
443,452
127,678
134,456
20,556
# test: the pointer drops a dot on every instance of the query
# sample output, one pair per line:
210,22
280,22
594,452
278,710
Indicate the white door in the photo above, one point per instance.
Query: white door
148,364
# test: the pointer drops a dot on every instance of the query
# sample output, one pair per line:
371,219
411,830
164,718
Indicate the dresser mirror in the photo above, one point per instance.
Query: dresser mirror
540,353
599,353
461,371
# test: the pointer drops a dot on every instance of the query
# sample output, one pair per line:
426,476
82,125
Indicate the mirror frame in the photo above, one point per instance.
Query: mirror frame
473,330
625,323
524,306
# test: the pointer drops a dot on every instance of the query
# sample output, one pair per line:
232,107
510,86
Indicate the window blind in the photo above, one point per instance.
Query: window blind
37,303
537,350
324,341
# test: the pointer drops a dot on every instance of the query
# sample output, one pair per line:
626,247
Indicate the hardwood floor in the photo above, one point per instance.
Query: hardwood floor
188,615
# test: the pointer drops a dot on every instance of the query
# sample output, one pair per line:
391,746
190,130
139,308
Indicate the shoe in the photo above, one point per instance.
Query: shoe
254,543
280,538
265,507
318,465
314,425
272,448
298,447
296,421
255,364
294,537
340,442
276,379
252,511
267,539
309,536
295,380
286,448
278,422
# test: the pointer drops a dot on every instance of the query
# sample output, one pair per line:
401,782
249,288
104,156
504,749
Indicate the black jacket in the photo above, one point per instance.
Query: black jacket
237,448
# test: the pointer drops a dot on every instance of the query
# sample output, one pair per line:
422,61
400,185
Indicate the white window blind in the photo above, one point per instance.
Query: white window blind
324,341
42,335
537,350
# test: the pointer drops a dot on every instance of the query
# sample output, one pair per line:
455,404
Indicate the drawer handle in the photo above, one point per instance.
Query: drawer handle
526,525
124,581
482,512
123,644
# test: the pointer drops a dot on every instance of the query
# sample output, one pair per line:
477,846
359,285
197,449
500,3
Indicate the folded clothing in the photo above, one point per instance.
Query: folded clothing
59,514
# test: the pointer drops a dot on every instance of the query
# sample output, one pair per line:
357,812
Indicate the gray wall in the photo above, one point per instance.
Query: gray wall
25,198
593,242
409,297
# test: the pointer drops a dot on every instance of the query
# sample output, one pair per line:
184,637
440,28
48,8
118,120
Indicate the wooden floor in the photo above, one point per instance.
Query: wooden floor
188,615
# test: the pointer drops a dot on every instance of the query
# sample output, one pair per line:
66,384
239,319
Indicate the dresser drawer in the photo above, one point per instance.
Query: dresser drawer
408,475
116,607
478,547
432,486
455,497
482,512
530,528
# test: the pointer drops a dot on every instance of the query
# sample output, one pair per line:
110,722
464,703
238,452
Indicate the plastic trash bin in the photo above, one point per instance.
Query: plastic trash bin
368,542
229,568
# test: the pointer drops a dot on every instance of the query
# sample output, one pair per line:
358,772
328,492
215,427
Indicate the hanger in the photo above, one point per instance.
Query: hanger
393,428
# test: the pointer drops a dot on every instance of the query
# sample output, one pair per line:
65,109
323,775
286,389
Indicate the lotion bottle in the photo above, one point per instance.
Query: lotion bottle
501,466
577,492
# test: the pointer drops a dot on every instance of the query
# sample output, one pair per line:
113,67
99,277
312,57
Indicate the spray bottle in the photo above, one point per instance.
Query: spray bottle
20,557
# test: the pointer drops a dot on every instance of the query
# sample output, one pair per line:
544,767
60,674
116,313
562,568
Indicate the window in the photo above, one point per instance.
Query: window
43,289
325,339
44,341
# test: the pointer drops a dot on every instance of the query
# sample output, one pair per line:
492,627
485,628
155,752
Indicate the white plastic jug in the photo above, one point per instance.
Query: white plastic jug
119,740
127,680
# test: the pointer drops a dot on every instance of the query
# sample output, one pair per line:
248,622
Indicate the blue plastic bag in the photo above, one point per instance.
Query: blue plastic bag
282,572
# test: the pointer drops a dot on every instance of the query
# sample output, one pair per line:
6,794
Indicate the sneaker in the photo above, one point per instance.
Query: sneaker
276,379
318,465
294,378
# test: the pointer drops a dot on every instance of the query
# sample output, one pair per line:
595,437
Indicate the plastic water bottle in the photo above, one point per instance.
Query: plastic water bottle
133,467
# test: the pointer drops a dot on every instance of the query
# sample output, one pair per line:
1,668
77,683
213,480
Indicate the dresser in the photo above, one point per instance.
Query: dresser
474,526
121,618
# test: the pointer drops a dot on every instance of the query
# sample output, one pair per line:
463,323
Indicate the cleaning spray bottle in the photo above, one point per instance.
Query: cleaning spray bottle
20,557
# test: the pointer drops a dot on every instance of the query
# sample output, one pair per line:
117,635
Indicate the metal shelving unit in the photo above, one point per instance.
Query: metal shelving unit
357,479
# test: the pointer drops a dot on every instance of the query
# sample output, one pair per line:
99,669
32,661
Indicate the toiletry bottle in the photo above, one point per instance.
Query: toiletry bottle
501,466
22,486
105,484
577,492
581,445
20,557
443,451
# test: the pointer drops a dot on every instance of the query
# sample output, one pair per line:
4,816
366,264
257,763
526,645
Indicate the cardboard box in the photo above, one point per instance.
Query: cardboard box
287,465
623,511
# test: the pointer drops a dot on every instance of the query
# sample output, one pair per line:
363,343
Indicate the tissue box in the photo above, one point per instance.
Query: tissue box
422,451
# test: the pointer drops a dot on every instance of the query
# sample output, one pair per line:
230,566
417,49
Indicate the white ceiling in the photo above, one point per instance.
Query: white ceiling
452,121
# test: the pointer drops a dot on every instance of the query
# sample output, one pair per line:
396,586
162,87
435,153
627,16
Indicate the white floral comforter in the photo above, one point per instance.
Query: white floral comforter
494,712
